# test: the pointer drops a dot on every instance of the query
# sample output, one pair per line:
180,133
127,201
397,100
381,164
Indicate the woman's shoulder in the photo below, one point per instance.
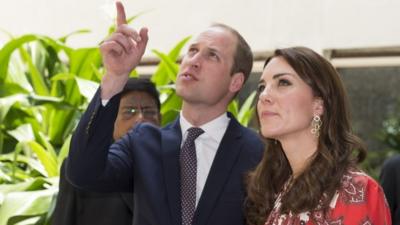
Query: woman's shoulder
357,178
356,185
360,198
358,188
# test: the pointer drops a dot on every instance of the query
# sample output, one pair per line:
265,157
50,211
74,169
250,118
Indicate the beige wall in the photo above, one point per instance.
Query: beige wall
266,24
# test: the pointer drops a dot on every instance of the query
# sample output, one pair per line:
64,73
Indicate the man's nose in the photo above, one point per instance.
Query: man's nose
195,60
140,116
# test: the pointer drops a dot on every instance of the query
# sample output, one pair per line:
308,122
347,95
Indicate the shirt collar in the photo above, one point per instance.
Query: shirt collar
215,128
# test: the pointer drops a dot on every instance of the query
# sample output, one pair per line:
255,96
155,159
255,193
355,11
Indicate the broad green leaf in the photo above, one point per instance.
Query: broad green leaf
247,105
245,120
23,133
233,108
46,158
64,151
17,73
30,203
172,68
170,108
65,122
31,162
57,45
42,139
38,99
39,55
24,220
98,72
8,49
81,61
14,165
12,89
169,116
82,31
175,52
38,82
63,76
80,66
159,77
4,177
31,185
7,102
87,88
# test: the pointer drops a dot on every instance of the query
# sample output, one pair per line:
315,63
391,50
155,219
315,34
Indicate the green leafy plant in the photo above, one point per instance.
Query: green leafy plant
388,135
391,133
44,86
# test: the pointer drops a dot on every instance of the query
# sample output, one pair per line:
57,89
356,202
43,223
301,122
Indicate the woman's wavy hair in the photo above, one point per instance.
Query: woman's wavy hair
338,148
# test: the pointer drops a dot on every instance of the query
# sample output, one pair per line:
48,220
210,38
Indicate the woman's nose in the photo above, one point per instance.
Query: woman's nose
265,95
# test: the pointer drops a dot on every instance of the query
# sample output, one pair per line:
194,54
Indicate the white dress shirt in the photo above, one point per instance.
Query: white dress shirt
206,146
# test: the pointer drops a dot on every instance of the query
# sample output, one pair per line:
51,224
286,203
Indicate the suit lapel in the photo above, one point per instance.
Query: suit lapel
224,160
171,140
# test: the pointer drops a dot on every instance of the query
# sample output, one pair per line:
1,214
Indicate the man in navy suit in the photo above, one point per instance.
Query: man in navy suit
147,159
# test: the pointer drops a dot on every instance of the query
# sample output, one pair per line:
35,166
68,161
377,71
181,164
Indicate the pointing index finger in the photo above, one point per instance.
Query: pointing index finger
121,17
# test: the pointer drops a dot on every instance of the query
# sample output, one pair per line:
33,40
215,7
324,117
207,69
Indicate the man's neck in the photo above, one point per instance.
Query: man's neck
198,115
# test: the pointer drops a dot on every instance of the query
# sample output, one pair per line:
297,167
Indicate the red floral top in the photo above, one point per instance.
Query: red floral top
359,201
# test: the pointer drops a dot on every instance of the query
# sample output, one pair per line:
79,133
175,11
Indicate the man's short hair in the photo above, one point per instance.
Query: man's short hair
142,85
243,58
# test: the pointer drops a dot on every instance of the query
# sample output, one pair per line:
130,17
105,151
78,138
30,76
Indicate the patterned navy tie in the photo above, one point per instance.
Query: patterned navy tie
188,162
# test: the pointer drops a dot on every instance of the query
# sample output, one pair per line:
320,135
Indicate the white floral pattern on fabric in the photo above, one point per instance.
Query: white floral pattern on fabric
359,201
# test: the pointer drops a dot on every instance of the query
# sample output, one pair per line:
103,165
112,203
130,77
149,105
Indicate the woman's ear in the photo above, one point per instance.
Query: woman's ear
318,106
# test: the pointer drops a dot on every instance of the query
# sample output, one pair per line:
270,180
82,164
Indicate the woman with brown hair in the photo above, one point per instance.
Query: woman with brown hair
308,174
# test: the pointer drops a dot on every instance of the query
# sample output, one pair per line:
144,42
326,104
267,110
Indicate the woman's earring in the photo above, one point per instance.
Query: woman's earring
316,125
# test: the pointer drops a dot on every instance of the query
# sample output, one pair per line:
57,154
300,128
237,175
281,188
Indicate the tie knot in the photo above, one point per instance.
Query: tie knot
194,132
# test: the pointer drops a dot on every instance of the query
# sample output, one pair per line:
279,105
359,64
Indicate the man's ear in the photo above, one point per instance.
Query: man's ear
318,106
236,82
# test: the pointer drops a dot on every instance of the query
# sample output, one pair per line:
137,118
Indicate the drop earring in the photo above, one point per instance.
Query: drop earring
316,125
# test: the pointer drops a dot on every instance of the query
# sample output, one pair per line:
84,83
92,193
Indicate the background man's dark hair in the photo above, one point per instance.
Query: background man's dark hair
144,85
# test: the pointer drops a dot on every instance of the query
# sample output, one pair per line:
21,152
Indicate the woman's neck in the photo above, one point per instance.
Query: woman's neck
299,149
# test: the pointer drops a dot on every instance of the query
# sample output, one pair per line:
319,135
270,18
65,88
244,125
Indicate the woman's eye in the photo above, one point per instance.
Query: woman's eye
260,88
284,82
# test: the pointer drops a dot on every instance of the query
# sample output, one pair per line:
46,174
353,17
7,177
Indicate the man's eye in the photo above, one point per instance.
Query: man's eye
150,112
130,111
213,55
191,51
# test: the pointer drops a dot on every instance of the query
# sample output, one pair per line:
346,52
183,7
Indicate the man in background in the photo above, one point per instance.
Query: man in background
139,103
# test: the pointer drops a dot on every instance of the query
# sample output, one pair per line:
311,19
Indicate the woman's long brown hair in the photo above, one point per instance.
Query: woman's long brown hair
334,156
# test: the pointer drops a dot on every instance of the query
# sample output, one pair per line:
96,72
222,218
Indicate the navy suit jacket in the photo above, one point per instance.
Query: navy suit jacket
79,207
146,161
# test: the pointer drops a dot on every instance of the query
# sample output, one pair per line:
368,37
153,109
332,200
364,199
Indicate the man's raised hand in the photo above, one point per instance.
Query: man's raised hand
121,52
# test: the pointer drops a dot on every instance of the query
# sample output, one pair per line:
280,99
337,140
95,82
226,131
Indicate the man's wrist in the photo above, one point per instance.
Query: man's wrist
112,85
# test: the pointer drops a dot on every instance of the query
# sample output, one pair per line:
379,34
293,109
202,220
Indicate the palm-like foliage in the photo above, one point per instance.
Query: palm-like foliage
44,86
